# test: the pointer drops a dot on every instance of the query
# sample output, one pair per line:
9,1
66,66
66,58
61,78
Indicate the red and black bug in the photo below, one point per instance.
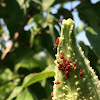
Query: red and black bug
67,77
52,94
64,65
62,56
67,67
66,72
74,64
59,63
68,61
80,73
57,42
58,82
64,60
59,66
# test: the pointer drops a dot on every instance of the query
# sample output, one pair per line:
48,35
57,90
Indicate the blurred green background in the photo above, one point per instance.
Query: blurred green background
28,31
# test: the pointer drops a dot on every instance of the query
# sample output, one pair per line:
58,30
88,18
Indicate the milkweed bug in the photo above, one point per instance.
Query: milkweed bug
62,56
80,73
66,72
57,42
66,77
74,64
67,67
58,82
52,94
68,61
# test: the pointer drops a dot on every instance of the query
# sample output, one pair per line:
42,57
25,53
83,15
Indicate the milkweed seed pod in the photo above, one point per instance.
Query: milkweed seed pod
77,79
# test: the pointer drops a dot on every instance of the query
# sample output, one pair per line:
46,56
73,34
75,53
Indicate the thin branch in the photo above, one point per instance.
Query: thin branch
16,35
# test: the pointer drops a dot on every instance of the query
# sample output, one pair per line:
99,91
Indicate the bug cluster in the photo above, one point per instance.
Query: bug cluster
65,66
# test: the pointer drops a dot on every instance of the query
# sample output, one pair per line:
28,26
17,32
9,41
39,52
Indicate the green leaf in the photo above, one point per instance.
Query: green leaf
33,78
29,80
24,4
15,92
93,36
79,28
5,90
46,4
25,95
89,13
6,85
5,75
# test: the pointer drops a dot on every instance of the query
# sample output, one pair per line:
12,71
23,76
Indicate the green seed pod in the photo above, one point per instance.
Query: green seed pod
78,79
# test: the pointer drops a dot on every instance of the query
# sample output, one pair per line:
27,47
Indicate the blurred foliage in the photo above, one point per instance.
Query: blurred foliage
27,71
